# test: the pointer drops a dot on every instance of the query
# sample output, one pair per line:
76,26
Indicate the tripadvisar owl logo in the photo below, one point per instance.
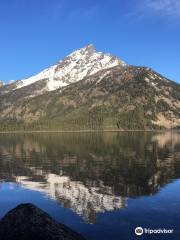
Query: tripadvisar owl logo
139,231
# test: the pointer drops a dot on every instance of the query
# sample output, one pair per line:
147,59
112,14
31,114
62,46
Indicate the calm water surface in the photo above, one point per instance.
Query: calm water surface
101,185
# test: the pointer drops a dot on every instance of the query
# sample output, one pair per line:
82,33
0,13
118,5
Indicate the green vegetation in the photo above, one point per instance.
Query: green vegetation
124,100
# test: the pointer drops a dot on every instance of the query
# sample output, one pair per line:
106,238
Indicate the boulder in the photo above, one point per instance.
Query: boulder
28,222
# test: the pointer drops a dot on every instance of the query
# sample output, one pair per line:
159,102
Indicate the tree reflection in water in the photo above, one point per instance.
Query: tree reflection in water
91,172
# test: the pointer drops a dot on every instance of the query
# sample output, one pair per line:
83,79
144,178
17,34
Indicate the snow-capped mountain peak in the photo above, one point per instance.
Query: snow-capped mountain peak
88,49
76,66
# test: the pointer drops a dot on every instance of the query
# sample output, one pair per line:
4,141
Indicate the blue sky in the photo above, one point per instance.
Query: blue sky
35,34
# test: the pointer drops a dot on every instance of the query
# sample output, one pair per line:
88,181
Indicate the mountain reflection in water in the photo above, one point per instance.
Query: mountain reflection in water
91,173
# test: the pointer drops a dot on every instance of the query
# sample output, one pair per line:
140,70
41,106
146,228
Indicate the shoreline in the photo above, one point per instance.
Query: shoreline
89,131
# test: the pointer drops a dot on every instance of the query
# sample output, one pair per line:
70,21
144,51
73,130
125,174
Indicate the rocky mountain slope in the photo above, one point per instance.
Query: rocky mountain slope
91,90
79,64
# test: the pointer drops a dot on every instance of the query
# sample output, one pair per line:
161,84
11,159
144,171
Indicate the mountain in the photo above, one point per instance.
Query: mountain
91,90
73,68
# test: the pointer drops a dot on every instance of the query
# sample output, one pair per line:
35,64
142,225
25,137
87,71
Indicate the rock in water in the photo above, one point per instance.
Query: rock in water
27,222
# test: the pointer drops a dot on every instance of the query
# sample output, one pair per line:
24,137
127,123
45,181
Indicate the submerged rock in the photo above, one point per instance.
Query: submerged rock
28,222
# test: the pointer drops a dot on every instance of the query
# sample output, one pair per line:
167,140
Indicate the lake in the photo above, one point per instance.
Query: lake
103,185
